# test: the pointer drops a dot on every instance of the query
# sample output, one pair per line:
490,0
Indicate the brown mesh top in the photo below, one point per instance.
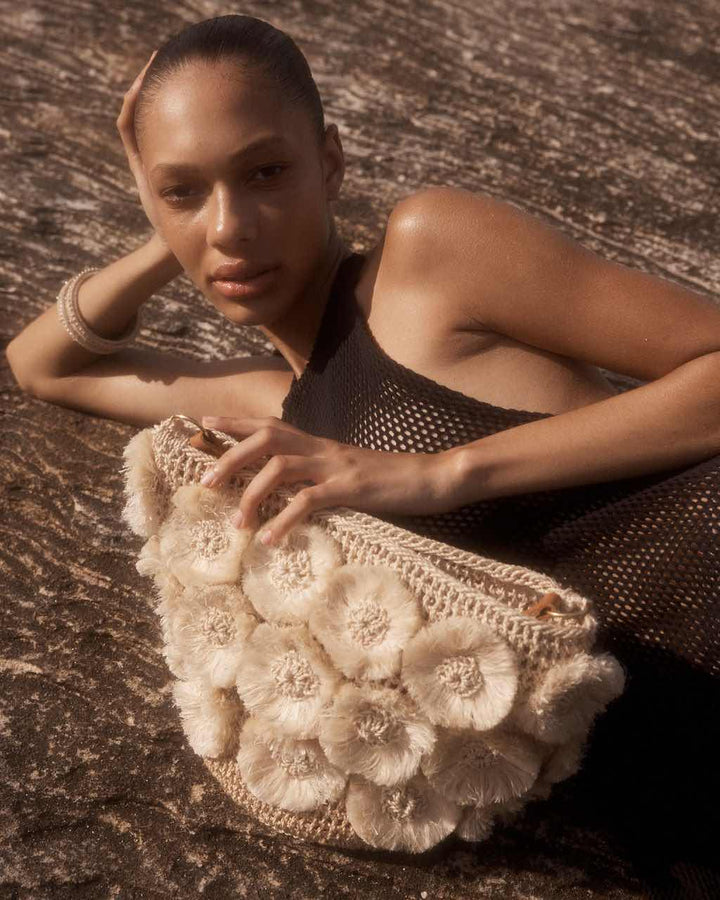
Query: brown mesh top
645,549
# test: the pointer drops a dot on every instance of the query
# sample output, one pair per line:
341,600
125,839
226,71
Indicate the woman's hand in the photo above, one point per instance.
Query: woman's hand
369,481
126,127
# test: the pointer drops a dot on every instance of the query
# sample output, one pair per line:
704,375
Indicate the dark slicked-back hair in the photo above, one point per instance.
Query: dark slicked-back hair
257,47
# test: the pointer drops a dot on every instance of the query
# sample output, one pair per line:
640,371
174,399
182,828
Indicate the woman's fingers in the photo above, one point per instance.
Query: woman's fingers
282,469
305,502
295,457
126,127
261,437
337,474
125,121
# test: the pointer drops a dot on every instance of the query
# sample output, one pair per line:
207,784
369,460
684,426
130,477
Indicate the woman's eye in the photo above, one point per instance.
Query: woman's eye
174,195
178,194
270,169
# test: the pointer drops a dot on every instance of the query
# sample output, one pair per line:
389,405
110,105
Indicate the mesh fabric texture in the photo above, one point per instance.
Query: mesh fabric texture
644,549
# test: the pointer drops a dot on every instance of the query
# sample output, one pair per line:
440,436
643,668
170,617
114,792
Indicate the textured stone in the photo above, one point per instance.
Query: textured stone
599,118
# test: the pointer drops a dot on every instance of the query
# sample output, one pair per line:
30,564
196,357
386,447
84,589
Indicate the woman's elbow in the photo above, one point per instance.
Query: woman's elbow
24,378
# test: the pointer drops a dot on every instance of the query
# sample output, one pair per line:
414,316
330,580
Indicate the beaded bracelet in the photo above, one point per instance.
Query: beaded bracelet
77,328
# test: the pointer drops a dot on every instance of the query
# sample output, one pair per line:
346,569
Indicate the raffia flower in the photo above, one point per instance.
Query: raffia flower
285,678
541,790
411,817
564,761
478,822
174,659
477,769
146,501
286,772
170,594
569,696
211,717
207,631
198,541
150,564
364,619
281,581
460,673
170,598
375,732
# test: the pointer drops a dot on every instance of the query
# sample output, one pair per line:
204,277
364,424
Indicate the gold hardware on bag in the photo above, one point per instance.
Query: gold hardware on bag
205,439
548,605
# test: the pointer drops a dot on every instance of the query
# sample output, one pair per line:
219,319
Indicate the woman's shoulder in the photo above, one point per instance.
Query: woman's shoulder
409,226
421,291
434,221
421,236
410,261
424,212
436,250
409,307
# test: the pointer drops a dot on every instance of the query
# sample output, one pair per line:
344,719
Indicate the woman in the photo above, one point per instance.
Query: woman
446,380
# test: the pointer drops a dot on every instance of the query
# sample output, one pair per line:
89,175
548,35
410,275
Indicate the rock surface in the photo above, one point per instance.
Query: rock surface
599,118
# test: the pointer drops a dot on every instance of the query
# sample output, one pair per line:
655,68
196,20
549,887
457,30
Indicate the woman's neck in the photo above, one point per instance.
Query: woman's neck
294,335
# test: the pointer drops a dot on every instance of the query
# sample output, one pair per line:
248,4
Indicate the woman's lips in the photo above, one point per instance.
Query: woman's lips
247,288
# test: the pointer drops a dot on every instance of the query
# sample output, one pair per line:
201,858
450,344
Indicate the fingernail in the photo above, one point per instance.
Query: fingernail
208,477
265,537
237,518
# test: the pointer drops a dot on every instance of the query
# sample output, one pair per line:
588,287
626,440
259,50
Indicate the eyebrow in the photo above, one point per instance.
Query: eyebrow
260,143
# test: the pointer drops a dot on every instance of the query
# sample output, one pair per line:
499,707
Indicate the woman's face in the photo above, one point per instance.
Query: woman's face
219,200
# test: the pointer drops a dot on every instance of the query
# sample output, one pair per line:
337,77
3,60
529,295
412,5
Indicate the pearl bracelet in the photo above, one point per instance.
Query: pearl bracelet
77,328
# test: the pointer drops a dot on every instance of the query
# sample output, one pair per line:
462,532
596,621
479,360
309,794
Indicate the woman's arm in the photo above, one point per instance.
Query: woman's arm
670,423
108,301
507,272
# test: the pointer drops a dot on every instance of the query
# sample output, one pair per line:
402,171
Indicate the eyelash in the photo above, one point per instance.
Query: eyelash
171,197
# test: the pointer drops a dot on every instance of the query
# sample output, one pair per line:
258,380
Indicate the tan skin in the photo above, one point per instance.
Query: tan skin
547,314
252,211
305,240
220,212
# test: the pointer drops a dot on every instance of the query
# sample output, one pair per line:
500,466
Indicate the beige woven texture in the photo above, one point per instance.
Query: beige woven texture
444,580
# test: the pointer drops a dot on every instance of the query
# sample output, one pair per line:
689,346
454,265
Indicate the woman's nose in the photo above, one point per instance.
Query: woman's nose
231,218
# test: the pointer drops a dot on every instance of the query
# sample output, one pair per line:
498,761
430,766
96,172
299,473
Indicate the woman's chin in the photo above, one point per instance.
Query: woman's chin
246,312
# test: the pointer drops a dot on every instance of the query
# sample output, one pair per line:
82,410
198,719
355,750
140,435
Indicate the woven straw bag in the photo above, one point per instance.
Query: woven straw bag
357,684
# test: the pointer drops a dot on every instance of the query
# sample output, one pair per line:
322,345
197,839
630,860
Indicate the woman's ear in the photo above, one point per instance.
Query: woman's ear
334,162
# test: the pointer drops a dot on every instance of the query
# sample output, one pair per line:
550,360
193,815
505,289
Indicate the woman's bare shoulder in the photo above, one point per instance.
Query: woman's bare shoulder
500,269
